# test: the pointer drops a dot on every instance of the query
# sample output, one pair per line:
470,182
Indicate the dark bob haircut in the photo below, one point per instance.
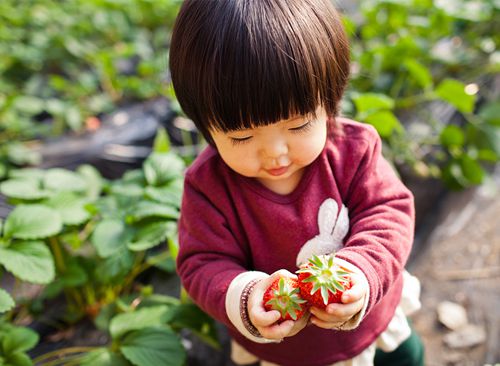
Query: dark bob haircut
238,64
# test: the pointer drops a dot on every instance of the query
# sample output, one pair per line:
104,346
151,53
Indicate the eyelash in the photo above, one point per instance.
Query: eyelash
301,129
236,142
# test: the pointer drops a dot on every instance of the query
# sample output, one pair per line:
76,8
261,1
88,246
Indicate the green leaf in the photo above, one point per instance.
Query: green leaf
453,92
103,357
162,142
19,339
371,102
23,189
153,346
58,179
152,234
472,170
29,104
144,209
452,135
30,261
160,168
6,301
94,180
170,194
193,318
109,237
113,268
70,207
18,359
385,122
139,319
32,222
491,113
419,72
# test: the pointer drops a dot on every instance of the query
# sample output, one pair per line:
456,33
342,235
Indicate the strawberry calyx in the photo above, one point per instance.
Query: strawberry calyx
284,296
324,275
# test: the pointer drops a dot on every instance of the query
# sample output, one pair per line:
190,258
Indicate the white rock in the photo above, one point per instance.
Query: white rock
452,315
468,336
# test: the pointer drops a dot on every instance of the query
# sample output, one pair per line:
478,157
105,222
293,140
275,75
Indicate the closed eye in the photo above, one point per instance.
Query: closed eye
302,128
239,140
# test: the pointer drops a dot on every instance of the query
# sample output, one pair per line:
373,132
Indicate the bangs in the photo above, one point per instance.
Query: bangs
264,61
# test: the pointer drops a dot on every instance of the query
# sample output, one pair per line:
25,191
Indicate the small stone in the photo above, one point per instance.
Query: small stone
452,315
468,336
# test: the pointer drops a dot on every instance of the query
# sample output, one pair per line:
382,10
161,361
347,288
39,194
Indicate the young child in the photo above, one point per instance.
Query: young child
282,179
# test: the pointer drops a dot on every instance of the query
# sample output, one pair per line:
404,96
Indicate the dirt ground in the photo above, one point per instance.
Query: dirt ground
459,262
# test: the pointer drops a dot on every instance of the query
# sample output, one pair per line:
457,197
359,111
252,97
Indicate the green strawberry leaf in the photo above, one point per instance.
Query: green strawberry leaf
30,261
58,179
453,92
145,209
94,180
153,346
109,237
23,189
419,72
385,122
32,222
18,359
19,339
6,301
70,207
162,142
371,102
152,234
452,136
139,319
160,168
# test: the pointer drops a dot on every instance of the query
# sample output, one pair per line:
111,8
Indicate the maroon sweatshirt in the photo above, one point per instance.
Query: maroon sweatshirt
230,224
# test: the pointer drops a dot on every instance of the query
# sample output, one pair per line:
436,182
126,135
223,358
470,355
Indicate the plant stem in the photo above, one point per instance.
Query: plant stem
58,254
44,359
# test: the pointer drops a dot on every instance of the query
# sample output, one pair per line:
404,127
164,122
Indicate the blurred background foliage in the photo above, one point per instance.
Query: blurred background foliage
65,64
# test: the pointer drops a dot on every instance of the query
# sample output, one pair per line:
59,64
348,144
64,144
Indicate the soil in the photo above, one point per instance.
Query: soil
460,262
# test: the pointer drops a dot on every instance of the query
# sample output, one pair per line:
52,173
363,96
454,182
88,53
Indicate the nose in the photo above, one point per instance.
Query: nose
274,148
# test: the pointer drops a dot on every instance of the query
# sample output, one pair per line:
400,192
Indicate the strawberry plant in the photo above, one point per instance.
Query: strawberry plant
74,233
411,58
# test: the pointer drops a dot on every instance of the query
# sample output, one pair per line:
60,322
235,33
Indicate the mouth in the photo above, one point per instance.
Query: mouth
278,171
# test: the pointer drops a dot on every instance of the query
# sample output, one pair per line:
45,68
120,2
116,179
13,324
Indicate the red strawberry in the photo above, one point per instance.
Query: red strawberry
323,282
284,295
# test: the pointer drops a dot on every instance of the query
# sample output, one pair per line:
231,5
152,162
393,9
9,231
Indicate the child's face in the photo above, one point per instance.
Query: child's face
276,154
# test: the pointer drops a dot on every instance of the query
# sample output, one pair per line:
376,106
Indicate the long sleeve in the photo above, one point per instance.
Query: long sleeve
381,214
209,255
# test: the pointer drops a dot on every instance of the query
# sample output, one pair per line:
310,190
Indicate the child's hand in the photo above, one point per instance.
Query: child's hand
266,321
335,315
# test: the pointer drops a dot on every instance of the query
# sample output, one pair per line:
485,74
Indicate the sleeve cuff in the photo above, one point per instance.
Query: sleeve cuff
356,319
233,300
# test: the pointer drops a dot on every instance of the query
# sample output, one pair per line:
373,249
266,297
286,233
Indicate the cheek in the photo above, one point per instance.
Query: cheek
240,160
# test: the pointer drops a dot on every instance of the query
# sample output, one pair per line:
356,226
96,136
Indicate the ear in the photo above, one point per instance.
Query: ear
327,217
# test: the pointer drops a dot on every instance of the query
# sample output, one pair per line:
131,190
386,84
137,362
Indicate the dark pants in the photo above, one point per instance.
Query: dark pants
409,353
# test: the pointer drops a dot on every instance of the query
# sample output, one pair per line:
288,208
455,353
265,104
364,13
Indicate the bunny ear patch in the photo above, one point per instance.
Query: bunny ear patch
327,216
333,227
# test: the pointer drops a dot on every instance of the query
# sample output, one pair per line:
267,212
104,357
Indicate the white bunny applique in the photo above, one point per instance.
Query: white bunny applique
333,227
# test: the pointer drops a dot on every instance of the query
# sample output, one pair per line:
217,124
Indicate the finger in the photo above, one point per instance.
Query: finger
277,331
337,312
356,292
262,318
344,311
326,325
